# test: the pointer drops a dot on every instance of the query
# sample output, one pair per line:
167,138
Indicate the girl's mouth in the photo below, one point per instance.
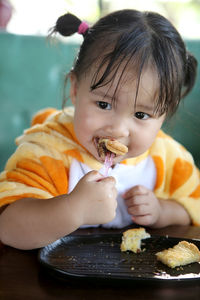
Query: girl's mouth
101,148
107,147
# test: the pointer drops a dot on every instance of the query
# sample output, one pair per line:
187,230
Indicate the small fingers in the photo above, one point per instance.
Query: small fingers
108,180
98,177
135,191
144,220
138,210
137,200
93,176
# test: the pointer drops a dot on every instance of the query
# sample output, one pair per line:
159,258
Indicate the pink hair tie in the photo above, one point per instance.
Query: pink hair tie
83,27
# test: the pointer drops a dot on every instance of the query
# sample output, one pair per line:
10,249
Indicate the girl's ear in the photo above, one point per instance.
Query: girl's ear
73,87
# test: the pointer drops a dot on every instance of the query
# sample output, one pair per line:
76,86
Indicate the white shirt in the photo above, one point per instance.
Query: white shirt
127,176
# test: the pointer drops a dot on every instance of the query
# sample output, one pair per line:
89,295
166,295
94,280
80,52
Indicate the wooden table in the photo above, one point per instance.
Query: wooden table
21,277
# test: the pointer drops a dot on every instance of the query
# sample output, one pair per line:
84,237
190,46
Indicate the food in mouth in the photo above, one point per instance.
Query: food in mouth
108,146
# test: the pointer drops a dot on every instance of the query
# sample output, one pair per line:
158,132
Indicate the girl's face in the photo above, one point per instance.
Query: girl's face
134,125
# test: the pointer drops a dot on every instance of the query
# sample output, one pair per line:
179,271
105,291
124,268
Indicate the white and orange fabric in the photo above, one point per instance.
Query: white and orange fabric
49,161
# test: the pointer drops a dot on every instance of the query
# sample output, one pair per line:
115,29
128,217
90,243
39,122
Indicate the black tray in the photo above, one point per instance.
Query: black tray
98,258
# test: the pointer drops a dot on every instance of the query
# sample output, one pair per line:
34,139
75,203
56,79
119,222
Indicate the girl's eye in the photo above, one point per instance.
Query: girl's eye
104,105
141,115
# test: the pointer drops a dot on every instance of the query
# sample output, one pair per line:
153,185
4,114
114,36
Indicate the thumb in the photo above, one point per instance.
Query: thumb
93,176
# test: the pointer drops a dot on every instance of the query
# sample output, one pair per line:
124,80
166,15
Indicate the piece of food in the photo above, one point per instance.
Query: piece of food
181,254
132,239
105,145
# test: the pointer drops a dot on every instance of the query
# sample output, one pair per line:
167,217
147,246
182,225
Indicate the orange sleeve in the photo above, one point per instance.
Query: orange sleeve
39,168
178,178
45,177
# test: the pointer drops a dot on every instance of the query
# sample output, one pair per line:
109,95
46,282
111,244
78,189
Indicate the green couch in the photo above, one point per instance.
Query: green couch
32,72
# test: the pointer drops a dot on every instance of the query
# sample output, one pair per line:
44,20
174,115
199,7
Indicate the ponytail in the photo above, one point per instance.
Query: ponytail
69,24
190,73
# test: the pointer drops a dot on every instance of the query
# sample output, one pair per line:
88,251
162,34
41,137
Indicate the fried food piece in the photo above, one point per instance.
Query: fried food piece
104,145
181,254
132,239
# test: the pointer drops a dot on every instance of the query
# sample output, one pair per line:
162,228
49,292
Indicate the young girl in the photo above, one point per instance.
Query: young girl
131,73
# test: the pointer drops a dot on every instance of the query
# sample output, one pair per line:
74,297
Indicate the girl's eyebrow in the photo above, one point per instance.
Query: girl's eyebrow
145,107
102,94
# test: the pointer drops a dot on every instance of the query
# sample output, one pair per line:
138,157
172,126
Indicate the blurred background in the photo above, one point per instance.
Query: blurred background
37,16
33,68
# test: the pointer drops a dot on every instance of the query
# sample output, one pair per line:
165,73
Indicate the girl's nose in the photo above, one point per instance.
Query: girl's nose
117,127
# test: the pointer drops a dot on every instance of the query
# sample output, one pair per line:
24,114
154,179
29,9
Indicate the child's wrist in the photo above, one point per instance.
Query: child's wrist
74,206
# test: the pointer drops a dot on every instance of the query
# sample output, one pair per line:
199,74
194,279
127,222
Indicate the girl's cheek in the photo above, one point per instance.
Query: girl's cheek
93,121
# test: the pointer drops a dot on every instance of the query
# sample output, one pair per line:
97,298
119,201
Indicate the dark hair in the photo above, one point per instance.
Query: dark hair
133,38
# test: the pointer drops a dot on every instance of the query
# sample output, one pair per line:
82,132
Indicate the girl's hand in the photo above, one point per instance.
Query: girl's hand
143,205
95,197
